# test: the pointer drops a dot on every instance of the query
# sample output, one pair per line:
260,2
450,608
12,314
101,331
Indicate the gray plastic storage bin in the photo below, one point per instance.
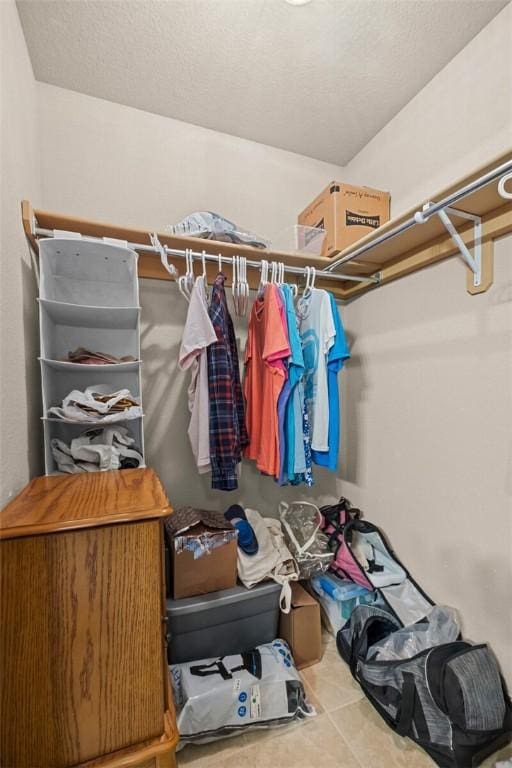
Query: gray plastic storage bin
222,623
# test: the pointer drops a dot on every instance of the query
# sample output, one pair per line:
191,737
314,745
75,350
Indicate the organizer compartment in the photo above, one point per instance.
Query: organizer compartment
57,383
64,327
67,431
79,271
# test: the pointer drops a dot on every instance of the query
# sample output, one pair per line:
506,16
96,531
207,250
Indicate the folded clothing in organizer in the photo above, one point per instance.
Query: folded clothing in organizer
213,226
96,450
86,357
97,403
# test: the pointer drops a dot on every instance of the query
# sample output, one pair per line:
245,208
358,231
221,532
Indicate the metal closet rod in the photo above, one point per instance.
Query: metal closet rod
422,216
224,259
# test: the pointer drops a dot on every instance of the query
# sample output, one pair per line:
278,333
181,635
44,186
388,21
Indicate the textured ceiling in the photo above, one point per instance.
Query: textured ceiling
320,79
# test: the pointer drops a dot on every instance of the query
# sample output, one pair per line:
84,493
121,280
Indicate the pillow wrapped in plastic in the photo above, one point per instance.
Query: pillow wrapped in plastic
309,546
222,697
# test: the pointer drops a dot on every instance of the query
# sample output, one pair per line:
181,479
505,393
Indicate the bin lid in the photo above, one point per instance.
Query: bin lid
222,598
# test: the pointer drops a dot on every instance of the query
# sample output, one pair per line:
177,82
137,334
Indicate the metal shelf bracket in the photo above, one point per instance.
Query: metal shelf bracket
472,260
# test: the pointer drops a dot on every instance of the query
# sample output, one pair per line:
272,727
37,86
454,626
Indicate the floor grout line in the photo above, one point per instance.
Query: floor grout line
345,741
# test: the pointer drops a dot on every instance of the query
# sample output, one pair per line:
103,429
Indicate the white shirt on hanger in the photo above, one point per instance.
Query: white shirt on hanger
198,334
317,332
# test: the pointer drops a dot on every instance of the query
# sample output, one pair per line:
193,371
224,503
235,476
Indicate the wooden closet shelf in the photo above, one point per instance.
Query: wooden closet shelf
407,251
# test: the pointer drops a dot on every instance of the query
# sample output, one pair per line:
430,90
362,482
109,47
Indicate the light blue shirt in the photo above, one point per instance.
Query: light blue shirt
338,353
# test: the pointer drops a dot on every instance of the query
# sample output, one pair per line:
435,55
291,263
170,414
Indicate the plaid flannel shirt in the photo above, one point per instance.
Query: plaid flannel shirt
228,435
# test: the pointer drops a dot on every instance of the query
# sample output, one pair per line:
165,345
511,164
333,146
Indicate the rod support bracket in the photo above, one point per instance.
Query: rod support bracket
472,260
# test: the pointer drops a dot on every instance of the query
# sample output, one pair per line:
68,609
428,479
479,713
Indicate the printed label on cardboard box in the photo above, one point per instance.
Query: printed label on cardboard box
356,219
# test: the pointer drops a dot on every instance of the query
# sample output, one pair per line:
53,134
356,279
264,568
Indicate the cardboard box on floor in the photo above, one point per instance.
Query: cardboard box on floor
302,628
203,552
347,213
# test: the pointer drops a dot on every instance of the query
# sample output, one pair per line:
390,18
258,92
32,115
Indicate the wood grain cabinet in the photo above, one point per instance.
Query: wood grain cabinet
84,678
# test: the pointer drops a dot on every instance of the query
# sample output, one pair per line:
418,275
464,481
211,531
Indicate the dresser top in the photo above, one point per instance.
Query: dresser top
52,504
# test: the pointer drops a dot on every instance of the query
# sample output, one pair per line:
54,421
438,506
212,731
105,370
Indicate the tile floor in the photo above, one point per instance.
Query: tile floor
347,733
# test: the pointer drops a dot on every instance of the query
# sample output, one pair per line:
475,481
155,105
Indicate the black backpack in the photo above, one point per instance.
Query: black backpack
450,699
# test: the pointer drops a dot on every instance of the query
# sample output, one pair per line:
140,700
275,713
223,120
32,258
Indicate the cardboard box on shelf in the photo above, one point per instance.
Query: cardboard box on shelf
302,628
203,552
347,213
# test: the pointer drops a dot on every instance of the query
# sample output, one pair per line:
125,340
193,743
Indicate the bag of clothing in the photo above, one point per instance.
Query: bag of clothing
272,560
225,696
213,226
450,698
309,546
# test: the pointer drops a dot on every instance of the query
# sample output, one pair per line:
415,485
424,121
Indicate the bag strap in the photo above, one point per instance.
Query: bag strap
411,711
215,668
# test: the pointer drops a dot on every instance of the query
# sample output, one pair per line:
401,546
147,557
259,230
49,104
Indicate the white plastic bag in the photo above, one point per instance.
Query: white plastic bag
440,627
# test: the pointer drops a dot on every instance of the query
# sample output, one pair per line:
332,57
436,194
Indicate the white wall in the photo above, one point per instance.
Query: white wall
123,165
428,397
108,161
19,177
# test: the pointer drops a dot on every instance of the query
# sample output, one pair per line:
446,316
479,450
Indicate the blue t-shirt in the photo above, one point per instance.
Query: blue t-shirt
338,353
295,370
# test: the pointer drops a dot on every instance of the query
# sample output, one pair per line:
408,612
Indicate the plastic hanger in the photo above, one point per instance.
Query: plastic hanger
219,257
186,281
245,290
190,271
305,292
263,278
234,282
293,286
273,274
205,275
170,268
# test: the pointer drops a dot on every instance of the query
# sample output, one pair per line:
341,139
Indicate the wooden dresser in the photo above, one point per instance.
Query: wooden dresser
83,669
